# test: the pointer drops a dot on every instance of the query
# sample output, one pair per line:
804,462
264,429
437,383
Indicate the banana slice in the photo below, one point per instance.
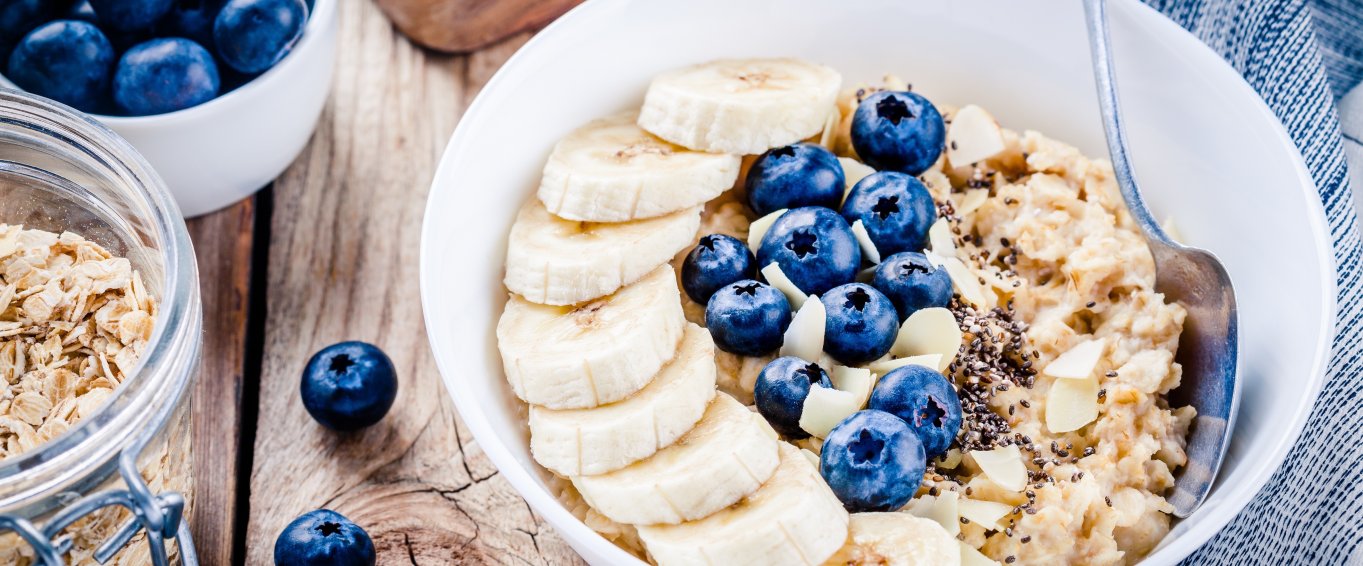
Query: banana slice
740,106
793,519
553,261
592,354
577,442
610,170
724,459
897,539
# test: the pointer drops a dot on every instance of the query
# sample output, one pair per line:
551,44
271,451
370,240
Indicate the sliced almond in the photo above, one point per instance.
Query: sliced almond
804,337
811,456
1003,466
971,201
970,556
929,331
824,408
758,228
778,279
966,283
830,129
986,514
950,460
973,136
1071,404
940,239
868,248
1077,362
857,381
940,508
853,171
930,361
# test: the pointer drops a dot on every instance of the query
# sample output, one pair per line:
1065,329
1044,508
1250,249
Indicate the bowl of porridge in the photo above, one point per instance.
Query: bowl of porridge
1063,354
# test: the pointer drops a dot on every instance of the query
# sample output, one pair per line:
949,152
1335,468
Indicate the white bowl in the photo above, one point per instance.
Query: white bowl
1207,150
223,150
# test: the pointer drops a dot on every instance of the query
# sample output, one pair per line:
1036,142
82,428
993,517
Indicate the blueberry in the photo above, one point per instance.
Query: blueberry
323,538
898,131
349,386
781,390
717,260
896,210
82,11
748,318
873,462
165,75
253,35
67,61
925,400
801,174
912,283
18,17
814,247
191,19
130,15
861,323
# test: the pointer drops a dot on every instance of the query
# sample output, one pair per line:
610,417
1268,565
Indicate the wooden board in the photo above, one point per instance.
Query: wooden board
458,26
343,266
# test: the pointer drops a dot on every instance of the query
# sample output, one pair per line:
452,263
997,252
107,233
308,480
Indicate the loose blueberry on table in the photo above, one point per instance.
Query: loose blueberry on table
898,131
815,248
861,323
323,538
165,75
925,400
716,261
67,61
349,386
895,208
873,461
912,283
781,390
748,318
802,174
253,35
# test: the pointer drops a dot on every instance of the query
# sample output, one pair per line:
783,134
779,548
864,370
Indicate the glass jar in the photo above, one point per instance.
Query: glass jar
116,486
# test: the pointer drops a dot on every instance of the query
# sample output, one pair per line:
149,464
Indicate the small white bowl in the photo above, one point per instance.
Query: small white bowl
223,150
1207,149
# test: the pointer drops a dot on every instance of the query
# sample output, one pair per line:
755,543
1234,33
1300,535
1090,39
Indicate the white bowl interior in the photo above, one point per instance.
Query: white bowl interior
1207,150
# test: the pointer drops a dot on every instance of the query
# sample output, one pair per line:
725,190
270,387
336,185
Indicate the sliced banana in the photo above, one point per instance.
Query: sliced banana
727,457
610,170
740,106
794,519
591,354
553,261
897,539
575,442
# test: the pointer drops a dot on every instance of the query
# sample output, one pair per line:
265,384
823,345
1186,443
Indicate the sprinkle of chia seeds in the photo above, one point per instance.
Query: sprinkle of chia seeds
1091,304
1025,539
965,521
1088,451
1102,394
953,144
1010,559
1107,500
1111,373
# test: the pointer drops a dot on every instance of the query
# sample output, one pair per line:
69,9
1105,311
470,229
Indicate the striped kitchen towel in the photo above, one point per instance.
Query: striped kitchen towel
1302,56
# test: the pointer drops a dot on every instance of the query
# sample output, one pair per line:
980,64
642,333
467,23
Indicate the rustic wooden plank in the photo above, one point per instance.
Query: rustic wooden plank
458,26
343,265
223,243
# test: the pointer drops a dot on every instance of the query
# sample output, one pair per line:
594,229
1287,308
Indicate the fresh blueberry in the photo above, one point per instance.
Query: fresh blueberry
717,260
18,17
801,174
898,131
748,318
323,538
896,210
814,247
912,283
82,11
67,61
873,461
781,390
191,19
165,75
253,35
349,386
925,400
130,15
861,323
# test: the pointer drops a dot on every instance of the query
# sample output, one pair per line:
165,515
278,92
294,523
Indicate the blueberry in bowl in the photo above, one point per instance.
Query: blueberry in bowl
323,538
912,283
716,261
165,75
896,209
130,15
925,400
66,60
861,323
253,35
873,461
349,386
802,174
748,318
815,248
898,131
781,390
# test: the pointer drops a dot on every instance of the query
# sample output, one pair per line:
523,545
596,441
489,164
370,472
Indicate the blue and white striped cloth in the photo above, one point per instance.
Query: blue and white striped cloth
1304,57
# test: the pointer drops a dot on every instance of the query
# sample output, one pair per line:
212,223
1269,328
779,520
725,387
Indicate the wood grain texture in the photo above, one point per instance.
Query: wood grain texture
222,243
458,26
343,266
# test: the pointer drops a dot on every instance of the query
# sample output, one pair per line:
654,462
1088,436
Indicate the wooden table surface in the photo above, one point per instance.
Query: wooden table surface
329,253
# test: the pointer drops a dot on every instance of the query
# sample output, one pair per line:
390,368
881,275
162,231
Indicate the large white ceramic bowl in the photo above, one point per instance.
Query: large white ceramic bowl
221,151
1207,150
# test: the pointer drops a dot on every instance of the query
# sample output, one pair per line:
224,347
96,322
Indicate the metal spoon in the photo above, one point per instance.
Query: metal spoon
1195,279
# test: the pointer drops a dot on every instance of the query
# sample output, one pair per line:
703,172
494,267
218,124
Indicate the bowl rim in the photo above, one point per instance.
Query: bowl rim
321,13
576,532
